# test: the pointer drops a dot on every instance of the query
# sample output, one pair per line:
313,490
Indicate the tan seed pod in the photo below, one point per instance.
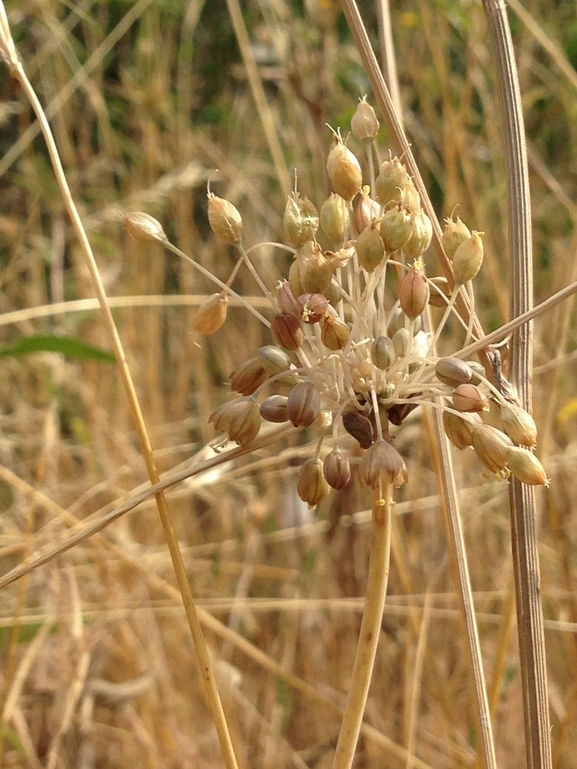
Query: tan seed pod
382,464
314,307
337,469
274,409
397,320
397,226
525,466
248,377
286,299
468,397
366,210
393,178
335,334
344,170
440,288
286,330
402,342
224,219
273,359
414,293
420,239
370,247
335,217
468,258
144,228
454,233
359,426
211,315
316,272
459,430
364,123
239,419
453,371
312,487
383,352
303,404
518,424
490,445
300,220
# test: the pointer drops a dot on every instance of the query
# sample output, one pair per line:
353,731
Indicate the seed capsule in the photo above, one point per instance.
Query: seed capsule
364,123
286,299
459,430
316,272
144,228
468,397
382,464
359,426
273,359
366,210
383,352
211,315
274,409
414,293
335,334
391,181
439,289
370,247
314,306
525,466
455,233
312,486
335,217
453,371
468,258
337,469
300,220
248,377
239,419
402,342
420,240
490,445
344,170
303,404
286,330
224,219
397,226
518,424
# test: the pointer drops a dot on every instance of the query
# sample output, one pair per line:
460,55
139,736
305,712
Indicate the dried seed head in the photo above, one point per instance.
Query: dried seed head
402,342
335,217
286,330
334,333
364,123
359,426
518,424
397,226
314,306
337,469
286,299
414,293
382,464
312,487
344,170
300,220
370,247
144,228
525,466
468,397
211,315
366,210
248,377
273,359
490,446
420,240
274,409
455,233
224,219
303,404
316,271
392,180
459,430
439,289
468,258
239,419
383,352
453,371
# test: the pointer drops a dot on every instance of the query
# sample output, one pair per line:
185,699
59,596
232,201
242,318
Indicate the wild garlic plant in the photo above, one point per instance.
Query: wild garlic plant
348,351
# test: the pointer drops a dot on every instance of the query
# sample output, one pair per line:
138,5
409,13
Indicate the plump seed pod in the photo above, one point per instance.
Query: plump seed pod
525,466
397,320
295,276
274,409
383,352
440,292
314,306
287,331
397,226
224,219
420,240
459,430
335,217
211,315
286,299
468,258
518,424
344,170
453,371
333,294
382,464
273,359
337,469
240,419
454,233
316,271
300,220
366,210
468,397
370,247
364,123
303,404
391,181
490,445
359,426
247,377
312,487
402,342
334,333
144,228
414,293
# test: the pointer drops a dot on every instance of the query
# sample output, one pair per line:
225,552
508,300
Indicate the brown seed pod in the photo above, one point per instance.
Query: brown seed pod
144,228
490,445
240,419
518,424
421,237
366,210
274,409
314,306
440,288
273,359
370,247
248,377
300,220
468,397
312,487
344,170
303,404
364,123
397,226
334,333
211,315
286,299
525,466
468,258
382,464
459,430
414,293
359,426
286,330
224,219
337,469
453,371
335,217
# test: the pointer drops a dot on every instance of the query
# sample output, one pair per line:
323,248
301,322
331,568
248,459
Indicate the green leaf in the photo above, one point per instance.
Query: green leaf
65,345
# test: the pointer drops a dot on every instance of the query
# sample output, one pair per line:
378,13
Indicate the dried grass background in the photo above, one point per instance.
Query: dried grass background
162,101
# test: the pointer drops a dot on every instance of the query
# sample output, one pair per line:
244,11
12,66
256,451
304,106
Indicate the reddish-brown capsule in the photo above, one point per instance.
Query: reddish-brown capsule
359,426
382,464
303,404
440,292
414,293
468,397
337,469
286,299
240,419
314,307
248,377
312,487
286,330
211,315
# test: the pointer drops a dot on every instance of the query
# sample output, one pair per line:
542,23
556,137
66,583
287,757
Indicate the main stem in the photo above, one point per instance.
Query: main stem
370,630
